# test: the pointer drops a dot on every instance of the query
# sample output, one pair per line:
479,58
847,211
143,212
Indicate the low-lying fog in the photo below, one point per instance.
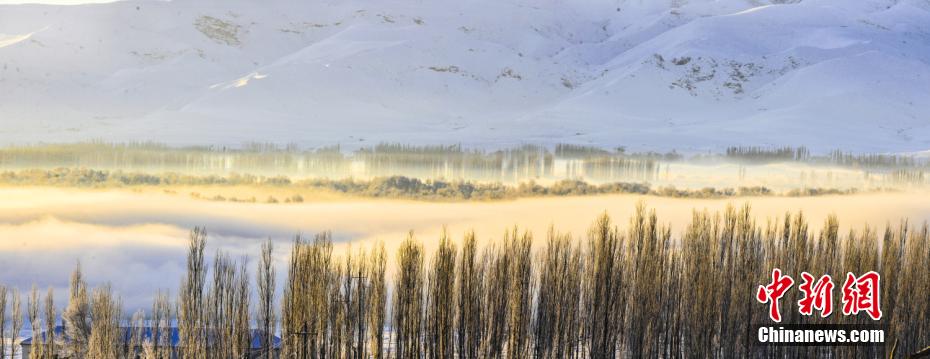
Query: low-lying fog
137,241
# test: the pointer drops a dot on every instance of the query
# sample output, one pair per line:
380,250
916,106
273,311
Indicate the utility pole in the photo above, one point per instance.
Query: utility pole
305,336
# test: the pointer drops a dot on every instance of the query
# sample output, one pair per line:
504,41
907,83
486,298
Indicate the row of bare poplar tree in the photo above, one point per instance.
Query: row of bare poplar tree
636,292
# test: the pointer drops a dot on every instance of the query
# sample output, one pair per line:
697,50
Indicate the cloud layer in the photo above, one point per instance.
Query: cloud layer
136,240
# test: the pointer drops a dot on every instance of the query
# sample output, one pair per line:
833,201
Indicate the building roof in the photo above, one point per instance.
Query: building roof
148,333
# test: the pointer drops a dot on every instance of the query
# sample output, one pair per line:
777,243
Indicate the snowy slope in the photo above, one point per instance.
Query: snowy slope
648,74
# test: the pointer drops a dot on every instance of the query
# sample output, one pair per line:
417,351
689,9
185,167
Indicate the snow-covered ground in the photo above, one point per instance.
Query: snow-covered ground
647,74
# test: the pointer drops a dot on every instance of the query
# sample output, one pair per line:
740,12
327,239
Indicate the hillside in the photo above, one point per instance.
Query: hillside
649,75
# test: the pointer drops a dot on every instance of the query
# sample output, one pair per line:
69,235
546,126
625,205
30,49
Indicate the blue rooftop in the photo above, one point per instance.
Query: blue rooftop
148,333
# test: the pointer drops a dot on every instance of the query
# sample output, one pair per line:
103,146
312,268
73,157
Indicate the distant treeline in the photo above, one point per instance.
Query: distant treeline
761,154
380,187
755,153
521,163
448,162
877,160
632,291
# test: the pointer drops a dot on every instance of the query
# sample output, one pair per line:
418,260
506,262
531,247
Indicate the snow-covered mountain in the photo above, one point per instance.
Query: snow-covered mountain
646,74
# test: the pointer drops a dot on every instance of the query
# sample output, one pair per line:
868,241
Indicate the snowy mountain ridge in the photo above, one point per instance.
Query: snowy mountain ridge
652,75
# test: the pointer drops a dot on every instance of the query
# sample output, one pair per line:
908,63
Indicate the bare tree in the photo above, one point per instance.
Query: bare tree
913,311
158,345
76,316
520,294
700,251
495,302
16,321
191,321
603,291
136,328
51,346
307,299
468,289
355,293
649,252
440,312
557,317
38,341
378,297
242,333
105,339
408,300
227,311
337,343
4,294
267,319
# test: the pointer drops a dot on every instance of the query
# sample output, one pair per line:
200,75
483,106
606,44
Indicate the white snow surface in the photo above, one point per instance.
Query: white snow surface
690,75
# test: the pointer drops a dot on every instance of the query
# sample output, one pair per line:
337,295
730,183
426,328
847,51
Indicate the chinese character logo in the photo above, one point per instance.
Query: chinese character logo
862,294
817,295
772,292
